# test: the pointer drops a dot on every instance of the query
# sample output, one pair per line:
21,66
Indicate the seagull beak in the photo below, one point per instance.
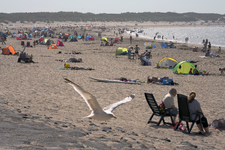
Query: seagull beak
114,117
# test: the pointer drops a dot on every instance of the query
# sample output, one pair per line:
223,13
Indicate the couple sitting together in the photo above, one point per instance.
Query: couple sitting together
194,107
195,71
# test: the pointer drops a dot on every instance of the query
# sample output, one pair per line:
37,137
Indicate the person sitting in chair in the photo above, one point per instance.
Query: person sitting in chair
168,100
194,107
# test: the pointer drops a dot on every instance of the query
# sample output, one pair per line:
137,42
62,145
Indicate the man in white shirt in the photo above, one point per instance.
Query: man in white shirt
168,101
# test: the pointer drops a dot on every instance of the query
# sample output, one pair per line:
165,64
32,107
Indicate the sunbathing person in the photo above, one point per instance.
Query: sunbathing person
75,60
80,68
194,107
74,52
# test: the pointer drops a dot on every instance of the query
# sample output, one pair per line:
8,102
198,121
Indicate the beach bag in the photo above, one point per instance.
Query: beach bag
220,123
181,127
162,107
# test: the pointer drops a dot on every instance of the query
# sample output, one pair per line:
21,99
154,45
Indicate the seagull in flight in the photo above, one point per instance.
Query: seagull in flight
97,112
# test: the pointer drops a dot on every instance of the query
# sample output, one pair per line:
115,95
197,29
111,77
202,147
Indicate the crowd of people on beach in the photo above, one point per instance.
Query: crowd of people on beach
133,53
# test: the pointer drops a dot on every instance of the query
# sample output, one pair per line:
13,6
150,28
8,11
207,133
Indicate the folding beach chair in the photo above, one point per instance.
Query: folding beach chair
184,113
157,110
28,44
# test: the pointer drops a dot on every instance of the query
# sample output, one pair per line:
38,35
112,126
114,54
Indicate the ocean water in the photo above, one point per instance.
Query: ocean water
215,35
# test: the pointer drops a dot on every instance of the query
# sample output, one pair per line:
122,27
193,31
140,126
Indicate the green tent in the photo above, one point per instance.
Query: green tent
121,50
183,67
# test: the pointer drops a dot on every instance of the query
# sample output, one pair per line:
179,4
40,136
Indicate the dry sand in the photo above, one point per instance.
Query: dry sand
40,111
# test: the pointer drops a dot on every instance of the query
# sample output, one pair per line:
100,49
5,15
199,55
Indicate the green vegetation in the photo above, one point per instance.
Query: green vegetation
76,16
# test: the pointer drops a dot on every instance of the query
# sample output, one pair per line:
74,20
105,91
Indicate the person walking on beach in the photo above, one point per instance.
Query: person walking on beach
203,42
136,51
131,39
209,47
3,40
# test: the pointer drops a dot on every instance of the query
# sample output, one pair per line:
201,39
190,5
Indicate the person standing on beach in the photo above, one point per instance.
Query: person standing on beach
209,47
162,37
130,48
219,49
3,40
131,39
136,51
121,38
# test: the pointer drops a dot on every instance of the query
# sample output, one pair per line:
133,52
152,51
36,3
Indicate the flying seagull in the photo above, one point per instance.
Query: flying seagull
97,112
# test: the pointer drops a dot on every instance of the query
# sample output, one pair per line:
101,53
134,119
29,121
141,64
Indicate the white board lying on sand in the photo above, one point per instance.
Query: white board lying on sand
114,81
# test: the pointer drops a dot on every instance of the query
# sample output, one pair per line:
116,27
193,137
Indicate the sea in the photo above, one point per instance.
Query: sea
215,35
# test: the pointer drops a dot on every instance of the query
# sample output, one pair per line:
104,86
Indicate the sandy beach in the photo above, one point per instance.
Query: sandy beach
40,111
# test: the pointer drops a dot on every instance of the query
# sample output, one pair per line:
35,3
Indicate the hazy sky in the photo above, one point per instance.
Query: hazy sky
113,6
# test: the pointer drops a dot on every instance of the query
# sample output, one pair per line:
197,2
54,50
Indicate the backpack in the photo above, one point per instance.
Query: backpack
220,123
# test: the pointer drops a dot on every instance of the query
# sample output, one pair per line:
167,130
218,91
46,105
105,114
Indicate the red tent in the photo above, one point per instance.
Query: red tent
117,39
18,38
91,38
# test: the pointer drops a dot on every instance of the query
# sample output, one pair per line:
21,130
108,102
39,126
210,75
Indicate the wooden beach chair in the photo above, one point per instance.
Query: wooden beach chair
157,110
184,113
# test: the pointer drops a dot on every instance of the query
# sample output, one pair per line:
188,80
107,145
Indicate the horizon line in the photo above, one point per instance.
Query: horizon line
107,13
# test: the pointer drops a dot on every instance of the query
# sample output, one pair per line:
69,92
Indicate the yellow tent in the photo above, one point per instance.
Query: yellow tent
45,40
121,50
103,39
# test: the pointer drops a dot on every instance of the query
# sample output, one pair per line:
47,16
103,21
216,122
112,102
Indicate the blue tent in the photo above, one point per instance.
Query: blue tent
87,38
79,37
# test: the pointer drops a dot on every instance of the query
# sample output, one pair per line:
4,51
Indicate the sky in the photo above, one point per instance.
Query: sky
114,6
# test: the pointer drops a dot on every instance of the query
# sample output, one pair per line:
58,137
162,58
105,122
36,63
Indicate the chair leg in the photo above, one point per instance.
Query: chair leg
189,131
162,118
187,125
173,123
177,125
150,118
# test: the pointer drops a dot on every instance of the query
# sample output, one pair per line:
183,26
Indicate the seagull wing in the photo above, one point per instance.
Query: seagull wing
88,97
111,107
